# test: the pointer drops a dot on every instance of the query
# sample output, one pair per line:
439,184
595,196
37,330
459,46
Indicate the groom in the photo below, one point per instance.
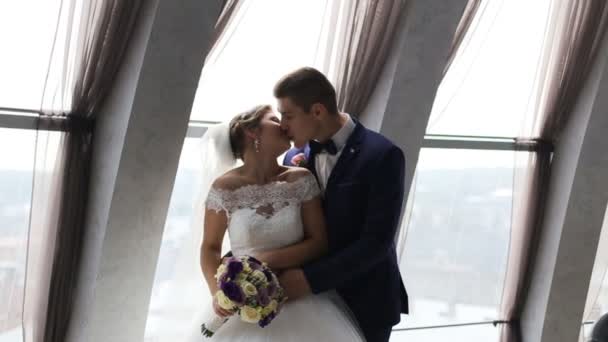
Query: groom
361,175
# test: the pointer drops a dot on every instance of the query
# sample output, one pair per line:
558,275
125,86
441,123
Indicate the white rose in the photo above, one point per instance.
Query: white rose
240,278
259,276
223,301
267,310
249,314
220,271
272,305
249,289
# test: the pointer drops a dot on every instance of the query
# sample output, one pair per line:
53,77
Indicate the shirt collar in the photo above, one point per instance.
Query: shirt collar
342,135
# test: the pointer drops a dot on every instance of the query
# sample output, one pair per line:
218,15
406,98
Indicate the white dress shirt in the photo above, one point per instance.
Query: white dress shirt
325,162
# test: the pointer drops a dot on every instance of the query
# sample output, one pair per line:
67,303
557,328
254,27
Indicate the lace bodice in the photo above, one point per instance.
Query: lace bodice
262,217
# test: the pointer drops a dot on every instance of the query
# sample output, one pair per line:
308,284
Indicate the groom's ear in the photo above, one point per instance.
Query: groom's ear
317,109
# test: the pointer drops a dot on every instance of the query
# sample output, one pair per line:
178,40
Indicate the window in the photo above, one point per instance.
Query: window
452,334
267,40
488,88
457,226
457,230
165,317
16,173
27,29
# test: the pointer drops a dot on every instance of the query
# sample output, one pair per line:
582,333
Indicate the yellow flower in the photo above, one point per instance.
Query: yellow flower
249,314
249,289
246,267
223,301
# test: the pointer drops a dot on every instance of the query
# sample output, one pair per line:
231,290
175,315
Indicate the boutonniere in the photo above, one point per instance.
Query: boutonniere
299,160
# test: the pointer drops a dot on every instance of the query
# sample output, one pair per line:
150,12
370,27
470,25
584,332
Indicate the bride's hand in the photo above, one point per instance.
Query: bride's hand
264,256
220,311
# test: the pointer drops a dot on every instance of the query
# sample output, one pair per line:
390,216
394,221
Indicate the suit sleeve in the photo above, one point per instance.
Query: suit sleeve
288,156
384,207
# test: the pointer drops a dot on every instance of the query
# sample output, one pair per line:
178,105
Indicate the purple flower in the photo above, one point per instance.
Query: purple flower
234,267
271,289
223,278
233,292
255,266
254,260
230,259
266,320
263,298
268,275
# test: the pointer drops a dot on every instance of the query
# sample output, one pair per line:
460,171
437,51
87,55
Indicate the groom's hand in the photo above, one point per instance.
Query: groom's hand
294,283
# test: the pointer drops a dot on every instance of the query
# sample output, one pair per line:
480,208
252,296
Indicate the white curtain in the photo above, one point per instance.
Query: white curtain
42,233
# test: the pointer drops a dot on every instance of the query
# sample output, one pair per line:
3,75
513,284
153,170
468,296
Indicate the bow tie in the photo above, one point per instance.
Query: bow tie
329,146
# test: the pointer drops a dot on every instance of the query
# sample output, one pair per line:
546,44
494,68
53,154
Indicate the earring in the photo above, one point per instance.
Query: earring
256,145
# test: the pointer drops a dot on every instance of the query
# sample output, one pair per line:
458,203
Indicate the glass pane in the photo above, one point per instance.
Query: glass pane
27,28
165,319
455,252
272,38
600,306
474,333
16,172
597,295
490,83
585,334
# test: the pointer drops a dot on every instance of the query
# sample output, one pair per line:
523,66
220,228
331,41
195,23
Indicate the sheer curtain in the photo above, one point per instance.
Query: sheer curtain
42,232
572,38
353,47
226,17
89,42
464,25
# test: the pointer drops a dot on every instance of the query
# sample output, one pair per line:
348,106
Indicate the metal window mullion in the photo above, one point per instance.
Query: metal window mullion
18,121
482,144
456,325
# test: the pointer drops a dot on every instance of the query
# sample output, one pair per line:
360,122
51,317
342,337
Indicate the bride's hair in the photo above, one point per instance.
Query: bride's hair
245,121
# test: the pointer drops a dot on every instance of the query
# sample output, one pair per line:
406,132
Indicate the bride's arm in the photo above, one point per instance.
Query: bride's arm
211,252
211,247
311,247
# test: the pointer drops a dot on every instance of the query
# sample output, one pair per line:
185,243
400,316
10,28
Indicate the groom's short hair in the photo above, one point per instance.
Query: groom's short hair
305,87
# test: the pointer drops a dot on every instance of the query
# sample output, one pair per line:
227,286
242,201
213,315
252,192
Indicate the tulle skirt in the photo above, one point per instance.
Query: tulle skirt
317,318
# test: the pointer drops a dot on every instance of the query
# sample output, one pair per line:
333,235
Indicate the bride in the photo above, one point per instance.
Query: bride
274,213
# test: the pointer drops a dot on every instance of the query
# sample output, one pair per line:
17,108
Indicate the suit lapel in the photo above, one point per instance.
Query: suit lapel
348,155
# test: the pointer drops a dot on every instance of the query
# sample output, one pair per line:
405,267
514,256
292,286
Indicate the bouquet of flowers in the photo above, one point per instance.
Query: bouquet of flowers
248,288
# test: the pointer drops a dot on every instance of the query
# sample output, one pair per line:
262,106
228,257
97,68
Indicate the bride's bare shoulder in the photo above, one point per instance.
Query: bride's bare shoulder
229,181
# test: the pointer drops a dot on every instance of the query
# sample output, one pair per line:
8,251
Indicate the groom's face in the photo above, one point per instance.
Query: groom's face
299,125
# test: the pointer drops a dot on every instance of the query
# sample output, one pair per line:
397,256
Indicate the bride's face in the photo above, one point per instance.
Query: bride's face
273,140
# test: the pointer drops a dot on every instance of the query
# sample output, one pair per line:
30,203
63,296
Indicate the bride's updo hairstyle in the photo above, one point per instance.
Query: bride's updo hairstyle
248,120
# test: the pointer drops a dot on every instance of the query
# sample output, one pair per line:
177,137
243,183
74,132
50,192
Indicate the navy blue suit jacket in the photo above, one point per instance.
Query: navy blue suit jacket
362,204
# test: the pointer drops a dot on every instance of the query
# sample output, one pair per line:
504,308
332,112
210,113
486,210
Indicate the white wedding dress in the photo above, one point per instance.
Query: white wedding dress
265,217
